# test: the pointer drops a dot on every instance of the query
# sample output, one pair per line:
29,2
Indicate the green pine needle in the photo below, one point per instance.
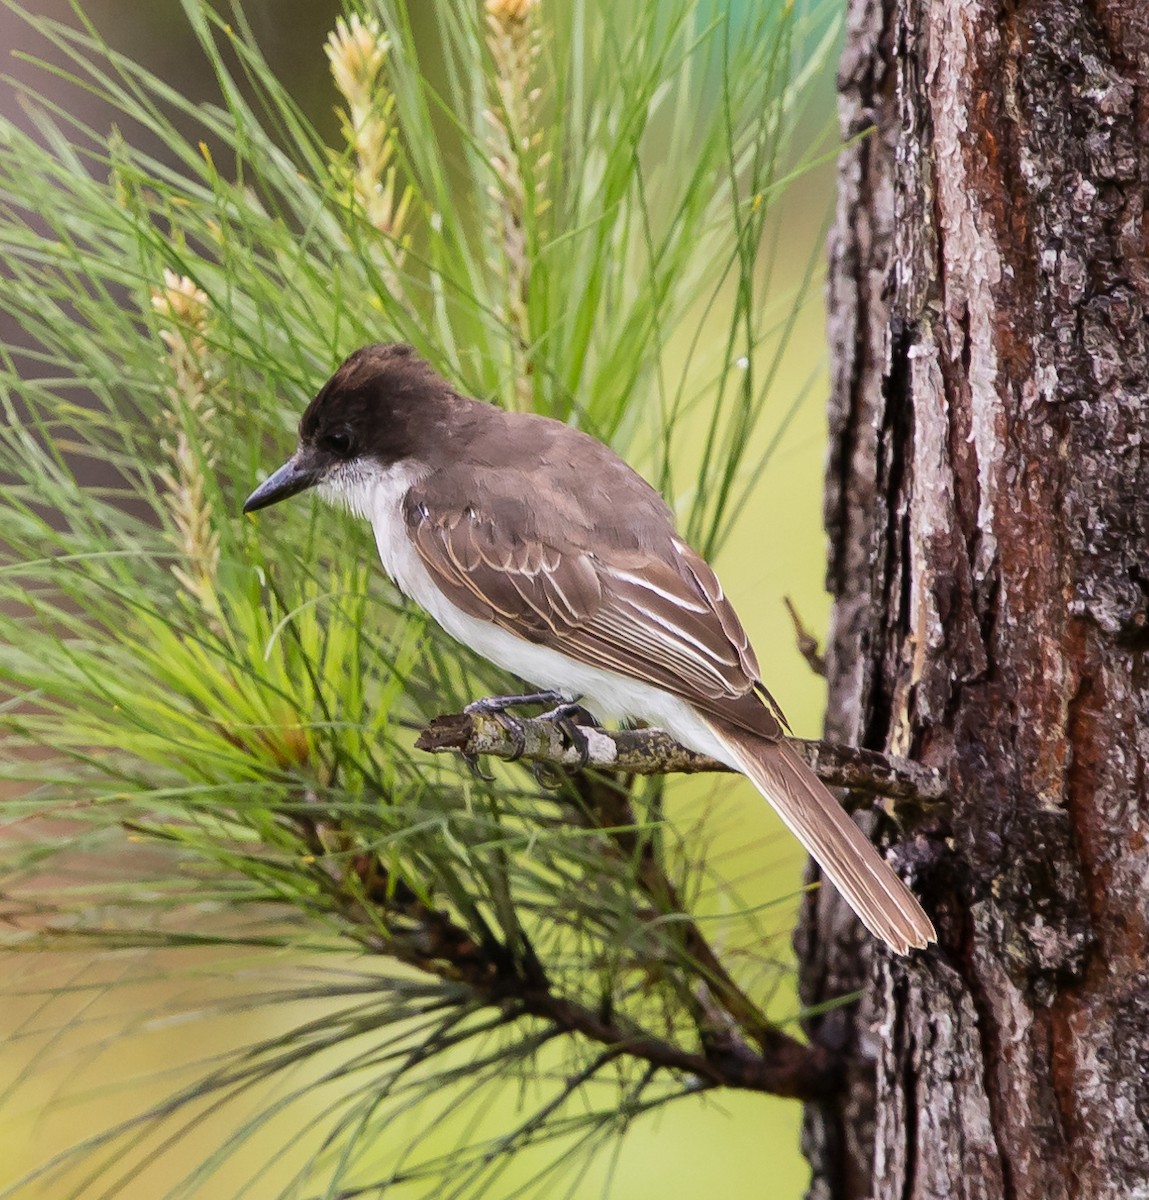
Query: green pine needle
207,720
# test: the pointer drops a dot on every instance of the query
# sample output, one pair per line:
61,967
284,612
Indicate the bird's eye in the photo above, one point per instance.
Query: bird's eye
338,442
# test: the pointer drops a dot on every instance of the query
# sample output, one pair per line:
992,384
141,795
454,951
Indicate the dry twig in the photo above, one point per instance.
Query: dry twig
807,642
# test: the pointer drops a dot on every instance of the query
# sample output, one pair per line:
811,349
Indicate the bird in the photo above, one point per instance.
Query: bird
538,547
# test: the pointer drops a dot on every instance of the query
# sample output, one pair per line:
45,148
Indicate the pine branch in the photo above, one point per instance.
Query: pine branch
429,940
740,1047
866,773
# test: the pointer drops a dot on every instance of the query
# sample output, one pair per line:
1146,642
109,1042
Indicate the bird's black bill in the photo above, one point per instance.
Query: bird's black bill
291,479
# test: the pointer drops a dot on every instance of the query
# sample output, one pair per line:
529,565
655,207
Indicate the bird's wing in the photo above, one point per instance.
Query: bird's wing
662,619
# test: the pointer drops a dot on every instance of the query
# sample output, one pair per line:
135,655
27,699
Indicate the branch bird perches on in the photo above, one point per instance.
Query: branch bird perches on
865,773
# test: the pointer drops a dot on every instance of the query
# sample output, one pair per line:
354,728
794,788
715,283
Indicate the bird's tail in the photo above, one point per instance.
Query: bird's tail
886,907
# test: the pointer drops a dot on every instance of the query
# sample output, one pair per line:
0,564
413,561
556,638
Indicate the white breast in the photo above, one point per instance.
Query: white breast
377,495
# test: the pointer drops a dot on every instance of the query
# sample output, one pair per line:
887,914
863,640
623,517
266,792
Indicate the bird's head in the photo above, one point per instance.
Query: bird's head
381,408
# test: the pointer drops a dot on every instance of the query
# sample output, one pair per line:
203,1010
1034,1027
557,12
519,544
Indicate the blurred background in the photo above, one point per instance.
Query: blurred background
84,1038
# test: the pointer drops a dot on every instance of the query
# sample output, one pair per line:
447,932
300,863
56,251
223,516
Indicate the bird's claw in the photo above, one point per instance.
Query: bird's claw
564,717
518,737
472,761
549,777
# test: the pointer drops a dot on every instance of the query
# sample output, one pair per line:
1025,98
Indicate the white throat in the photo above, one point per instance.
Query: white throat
376,494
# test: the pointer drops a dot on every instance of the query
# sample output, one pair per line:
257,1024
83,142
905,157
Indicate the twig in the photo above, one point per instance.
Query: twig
807,642
719,1032
393,921
866,773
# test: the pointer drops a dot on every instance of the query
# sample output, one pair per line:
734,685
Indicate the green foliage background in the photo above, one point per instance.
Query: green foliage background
180,683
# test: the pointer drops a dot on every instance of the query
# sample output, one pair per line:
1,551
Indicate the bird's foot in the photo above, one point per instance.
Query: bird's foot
564,714
497,706
567,717
500,704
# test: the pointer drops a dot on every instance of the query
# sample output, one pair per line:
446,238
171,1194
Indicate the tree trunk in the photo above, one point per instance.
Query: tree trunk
988,506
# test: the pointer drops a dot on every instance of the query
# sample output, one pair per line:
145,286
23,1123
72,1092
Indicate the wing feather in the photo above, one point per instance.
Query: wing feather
662,619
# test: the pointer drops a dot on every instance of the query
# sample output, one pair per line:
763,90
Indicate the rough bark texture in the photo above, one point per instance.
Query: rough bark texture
988,505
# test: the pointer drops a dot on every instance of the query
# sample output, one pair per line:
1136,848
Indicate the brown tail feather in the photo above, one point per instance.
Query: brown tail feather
884,904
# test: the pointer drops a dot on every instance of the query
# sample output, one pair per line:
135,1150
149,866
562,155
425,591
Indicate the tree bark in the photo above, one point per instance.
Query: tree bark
988,508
